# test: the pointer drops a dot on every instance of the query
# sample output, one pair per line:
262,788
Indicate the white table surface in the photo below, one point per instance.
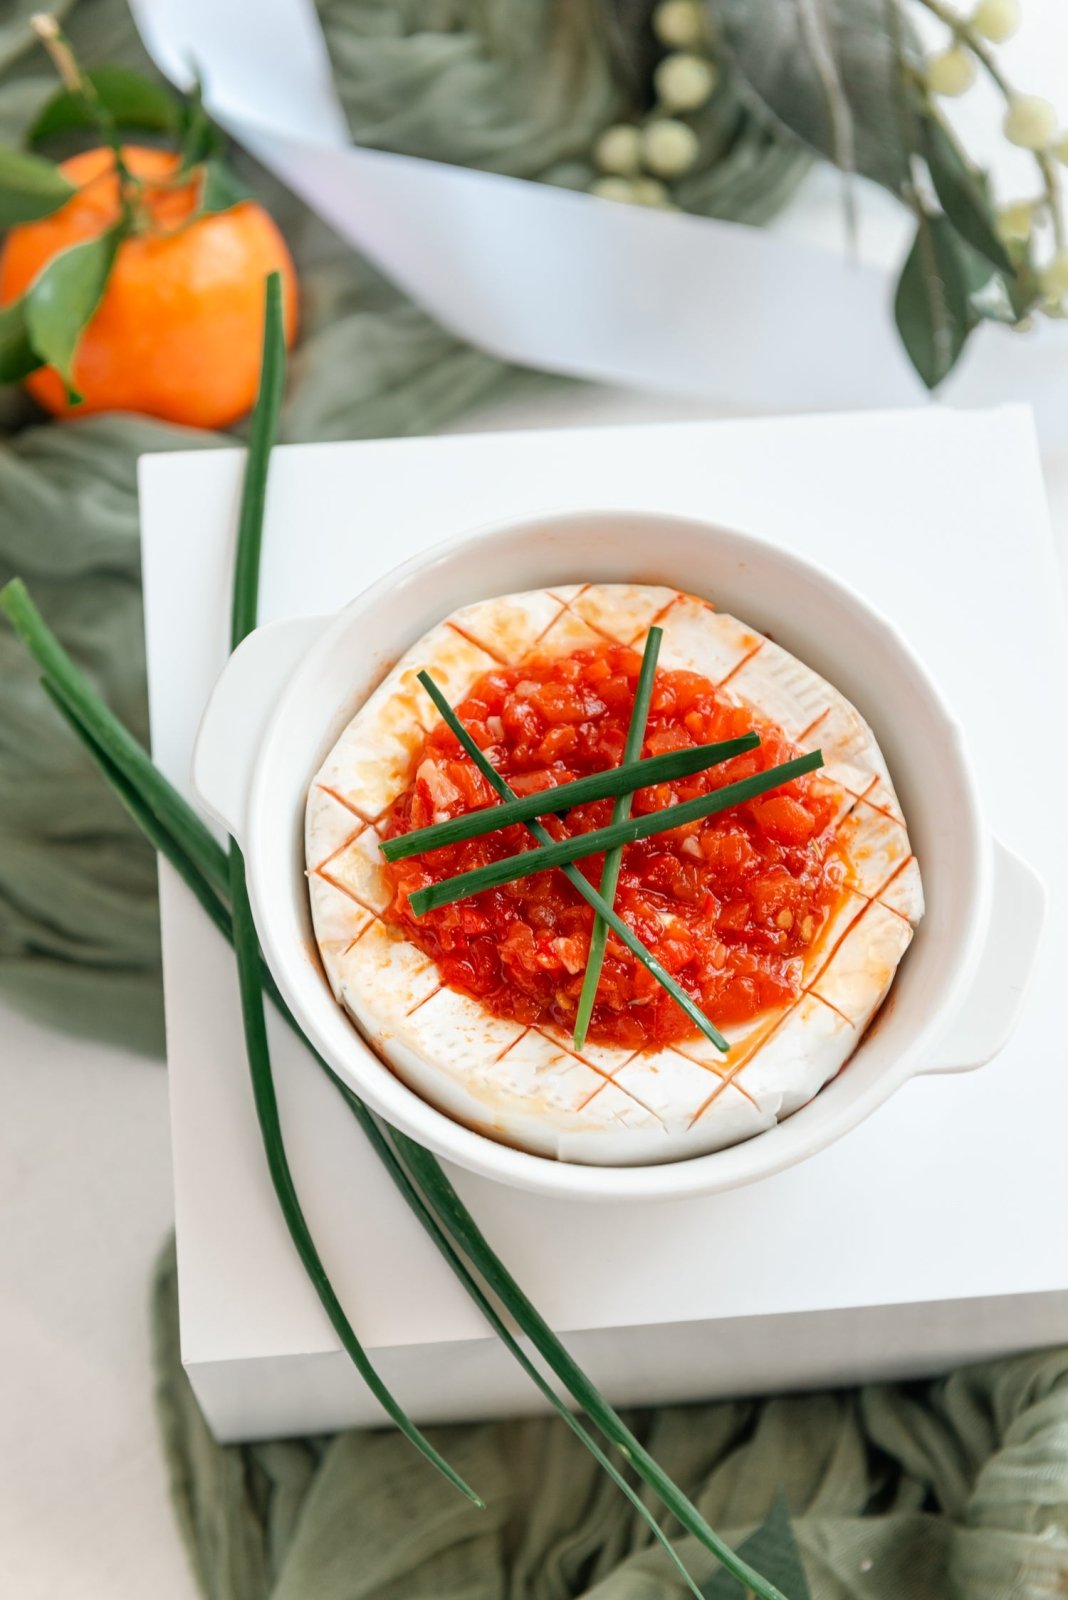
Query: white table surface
85,1201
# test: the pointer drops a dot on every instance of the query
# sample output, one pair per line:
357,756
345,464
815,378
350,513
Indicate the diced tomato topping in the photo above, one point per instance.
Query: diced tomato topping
729,905
784,819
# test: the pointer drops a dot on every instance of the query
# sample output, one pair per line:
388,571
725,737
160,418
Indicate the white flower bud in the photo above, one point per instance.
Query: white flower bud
951,73
684,82
1030,122
1054,277
618,150
679,23
996,19
669,147
613,189
1060,149
1014,223
651,192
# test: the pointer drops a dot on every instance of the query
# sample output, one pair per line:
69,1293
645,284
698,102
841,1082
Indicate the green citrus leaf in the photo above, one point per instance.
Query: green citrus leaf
960,194
772,1550
130,100
931,306
30,187
17,355
62,298
219,189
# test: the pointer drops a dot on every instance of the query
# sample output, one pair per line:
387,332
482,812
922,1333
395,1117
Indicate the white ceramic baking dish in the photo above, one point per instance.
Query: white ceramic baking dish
291,687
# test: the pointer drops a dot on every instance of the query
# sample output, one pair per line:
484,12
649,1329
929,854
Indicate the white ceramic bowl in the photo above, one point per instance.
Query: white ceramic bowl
290,689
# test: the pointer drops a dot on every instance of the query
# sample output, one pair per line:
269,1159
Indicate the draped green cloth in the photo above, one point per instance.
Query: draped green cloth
949,1490
957,1488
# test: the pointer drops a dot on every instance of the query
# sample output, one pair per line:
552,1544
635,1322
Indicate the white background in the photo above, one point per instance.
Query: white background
85,1199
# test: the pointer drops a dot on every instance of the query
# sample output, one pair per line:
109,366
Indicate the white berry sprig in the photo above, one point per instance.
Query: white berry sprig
636,162
1030,123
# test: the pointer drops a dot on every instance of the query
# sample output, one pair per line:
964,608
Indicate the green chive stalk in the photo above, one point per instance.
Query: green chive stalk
218,912
562,852
621,780
245,941
626,935
613,860
154,805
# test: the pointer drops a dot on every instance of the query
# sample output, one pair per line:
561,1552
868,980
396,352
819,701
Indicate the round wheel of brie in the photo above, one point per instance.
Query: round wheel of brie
784,918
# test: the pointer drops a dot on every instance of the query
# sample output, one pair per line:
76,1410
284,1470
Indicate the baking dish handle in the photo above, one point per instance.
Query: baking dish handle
988,1016
237,714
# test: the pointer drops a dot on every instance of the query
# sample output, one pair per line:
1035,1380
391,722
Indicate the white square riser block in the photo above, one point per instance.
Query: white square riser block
923,1238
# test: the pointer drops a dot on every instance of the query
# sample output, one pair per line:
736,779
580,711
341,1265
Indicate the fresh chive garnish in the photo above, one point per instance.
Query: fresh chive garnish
174,829
219,914
632,749
621,780
561,852
262,434
246,941
246,949
151,801
622,932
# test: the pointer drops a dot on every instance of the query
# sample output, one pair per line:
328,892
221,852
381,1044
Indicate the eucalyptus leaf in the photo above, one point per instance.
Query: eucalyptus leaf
30,187
931,306
826,72
220,189
62,299
128,98
772,1549
17,355
961,195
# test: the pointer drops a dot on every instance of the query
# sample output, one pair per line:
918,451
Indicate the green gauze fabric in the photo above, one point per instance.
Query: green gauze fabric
519,86
948,1490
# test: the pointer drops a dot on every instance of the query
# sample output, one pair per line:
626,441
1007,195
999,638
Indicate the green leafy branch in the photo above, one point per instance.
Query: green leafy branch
45,325
849,81
968,263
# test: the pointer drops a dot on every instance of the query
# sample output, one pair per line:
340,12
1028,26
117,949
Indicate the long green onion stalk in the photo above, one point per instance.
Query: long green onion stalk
561,852
175,830
246,944
210,898
420,904
622,780
613,860
155,805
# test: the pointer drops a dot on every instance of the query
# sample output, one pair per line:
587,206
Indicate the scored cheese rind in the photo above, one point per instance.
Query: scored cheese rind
527,1086
371,762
